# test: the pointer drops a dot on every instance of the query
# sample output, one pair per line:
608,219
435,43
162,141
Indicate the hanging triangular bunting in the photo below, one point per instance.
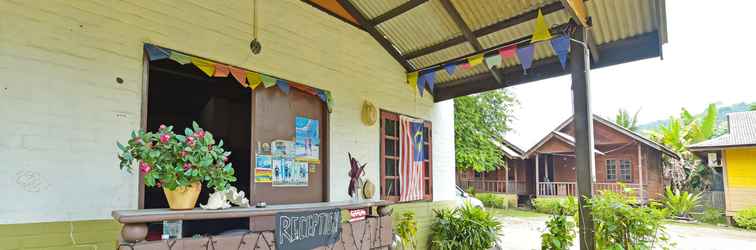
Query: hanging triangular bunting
283,85
507,52
155,52
525,55
494,60
561,47
240,75
450,68
466,65
180,58
475,60
412,78
428,79
221,70
254,79
541,32
322,95
329,100
421,84
267,81
206,66
303,88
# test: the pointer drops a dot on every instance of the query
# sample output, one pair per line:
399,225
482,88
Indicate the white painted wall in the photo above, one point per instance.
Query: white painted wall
61,110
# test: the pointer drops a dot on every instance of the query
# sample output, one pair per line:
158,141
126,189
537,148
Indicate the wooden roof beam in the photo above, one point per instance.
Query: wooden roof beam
578,12
407,6
382,40
469,36
521,18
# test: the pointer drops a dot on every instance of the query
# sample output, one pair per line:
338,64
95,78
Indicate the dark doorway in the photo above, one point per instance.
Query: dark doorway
179,94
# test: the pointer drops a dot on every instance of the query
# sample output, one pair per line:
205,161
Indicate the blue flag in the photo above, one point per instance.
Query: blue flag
154,52
561,47
525,55
450,68
283,85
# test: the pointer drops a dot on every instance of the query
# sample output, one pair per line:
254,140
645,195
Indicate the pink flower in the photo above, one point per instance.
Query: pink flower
187,166
144,167
201,134
164,138
184,153
225,159
162,126
159,184
190,141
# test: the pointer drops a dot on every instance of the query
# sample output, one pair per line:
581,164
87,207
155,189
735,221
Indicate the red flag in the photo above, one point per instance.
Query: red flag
240,75
221,70
508,52
411,159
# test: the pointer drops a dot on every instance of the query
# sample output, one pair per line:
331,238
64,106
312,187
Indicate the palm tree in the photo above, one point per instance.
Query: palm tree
623,119
753,106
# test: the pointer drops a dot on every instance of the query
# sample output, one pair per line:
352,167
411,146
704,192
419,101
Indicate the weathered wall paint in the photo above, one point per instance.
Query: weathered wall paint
60,99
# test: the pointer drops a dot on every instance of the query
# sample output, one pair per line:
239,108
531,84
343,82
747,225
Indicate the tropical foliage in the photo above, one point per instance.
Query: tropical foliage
491,200
548,205
753,107
479,123
681,203
406,228
622,225
171,160
561,232
465,228
623,119
746,218
678,134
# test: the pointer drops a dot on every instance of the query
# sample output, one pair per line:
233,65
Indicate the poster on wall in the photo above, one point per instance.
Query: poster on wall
307,142
282,148
264,169
289,173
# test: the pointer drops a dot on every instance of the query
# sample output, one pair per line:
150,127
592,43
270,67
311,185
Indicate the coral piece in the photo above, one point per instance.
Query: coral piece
216,200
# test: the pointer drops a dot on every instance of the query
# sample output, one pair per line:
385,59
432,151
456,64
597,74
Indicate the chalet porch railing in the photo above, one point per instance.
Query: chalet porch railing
495,186
570,189
374,232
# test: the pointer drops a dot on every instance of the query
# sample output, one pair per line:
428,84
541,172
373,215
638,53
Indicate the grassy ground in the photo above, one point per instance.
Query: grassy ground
515,212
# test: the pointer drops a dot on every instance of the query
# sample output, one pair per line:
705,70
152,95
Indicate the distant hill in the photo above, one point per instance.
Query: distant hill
722,112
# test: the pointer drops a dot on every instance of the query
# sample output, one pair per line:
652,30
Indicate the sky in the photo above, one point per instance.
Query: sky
710,58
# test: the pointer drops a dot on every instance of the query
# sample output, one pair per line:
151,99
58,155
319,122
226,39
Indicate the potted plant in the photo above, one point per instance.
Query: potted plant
178,163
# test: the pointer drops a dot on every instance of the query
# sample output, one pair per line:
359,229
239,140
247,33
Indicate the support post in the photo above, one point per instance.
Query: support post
538,181
584,158
640,175
506,178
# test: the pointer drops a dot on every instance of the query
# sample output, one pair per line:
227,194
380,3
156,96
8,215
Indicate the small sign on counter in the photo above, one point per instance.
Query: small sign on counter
307,230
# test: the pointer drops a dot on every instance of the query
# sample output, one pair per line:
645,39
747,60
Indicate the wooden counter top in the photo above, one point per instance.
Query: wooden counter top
161,214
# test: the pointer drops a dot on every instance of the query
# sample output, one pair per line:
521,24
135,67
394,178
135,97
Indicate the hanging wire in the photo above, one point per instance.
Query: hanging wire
254,19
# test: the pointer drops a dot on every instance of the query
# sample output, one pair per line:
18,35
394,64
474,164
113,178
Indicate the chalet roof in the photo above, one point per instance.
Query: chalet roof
741,132
425,34
559,136
510,150
571,140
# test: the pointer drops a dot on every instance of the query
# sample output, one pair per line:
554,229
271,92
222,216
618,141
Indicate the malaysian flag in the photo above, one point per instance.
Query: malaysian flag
410,159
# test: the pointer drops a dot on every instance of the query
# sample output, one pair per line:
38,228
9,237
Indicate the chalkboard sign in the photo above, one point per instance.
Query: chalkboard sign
307,230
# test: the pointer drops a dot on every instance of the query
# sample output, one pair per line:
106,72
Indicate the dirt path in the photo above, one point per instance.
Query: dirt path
525,232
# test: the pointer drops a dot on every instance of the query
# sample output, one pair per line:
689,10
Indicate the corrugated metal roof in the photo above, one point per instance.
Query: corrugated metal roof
742,132
373,8
428,24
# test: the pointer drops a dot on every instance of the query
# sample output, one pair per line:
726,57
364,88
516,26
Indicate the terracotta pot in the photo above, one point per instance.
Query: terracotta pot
183,198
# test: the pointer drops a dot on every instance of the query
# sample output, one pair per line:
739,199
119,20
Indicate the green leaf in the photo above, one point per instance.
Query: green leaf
188,132
120,146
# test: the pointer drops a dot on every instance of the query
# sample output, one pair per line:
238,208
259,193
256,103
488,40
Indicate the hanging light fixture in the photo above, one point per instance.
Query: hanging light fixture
254,45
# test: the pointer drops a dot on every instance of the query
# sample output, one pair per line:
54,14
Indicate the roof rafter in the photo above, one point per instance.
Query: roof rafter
469,36
591,40
497,26
396,11
382,40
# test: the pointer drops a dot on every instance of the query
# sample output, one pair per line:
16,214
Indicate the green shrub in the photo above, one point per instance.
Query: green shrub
560,234
711,216
746,218
406,228
621,225
468,228
471,191
554,205
491,200
682,203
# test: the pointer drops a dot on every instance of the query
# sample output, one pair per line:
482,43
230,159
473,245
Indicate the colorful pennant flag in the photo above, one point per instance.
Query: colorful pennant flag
239,74
412,78
541,32
267,81
450,68
525,55
494,60
466,65
283,85
303,88
180,58
221,70
329,100
507,52
322,95
154,52
206,66
428,78
254,79
421,84
475,60
561,47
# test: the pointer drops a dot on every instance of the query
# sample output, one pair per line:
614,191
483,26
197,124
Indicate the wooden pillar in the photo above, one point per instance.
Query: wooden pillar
546,168
583,118
640,173
506,179
538,181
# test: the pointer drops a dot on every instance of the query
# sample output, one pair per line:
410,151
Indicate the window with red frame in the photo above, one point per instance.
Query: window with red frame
390,157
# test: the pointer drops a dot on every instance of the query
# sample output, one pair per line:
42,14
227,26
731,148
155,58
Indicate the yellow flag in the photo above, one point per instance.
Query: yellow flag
475,60
253,79
412,79
206,66
541,32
